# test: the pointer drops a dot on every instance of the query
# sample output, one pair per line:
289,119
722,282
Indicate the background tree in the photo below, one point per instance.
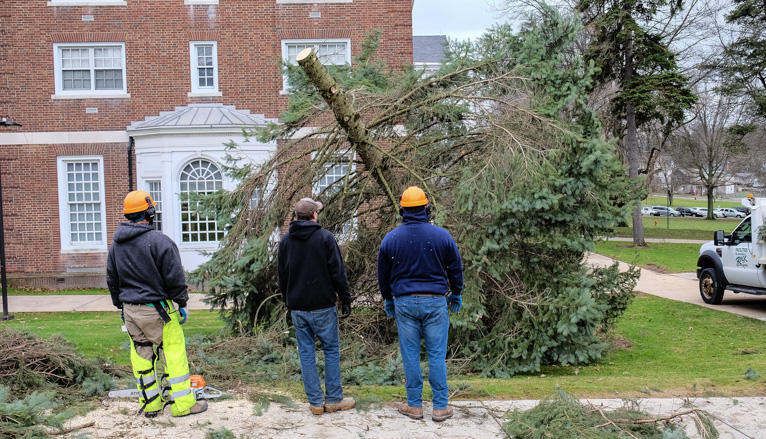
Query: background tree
516,168
710,141
743,67
650,85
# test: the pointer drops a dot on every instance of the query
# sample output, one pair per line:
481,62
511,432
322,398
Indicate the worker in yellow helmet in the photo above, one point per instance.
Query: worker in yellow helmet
145,279
420,275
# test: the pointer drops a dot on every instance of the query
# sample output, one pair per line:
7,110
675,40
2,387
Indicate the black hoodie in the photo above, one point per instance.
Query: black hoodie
144,266
311,269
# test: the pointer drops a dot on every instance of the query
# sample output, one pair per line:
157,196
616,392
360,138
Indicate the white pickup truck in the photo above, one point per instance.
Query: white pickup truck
735,262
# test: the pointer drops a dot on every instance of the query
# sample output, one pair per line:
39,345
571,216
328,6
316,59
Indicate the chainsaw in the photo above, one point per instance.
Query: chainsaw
198,385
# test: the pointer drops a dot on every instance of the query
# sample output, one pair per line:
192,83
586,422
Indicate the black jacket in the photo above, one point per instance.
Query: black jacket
311,270
144,266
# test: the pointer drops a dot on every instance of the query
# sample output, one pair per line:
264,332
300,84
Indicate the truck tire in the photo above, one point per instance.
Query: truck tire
710,289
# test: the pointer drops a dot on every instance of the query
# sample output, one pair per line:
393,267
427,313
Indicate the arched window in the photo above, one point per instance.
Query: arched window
199,177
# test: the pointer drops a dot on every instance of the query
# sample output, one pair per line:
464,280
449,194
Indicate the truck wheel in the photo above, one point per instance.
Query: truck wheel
710,289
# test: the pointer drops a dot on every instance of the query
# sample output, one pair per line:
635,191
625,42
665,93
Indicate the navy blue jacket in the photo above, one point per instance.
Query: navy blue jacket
310,268
144,266
418,257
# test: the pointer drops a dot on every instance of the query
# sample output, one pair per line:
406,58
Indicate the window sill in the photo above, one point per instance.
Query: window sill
87,3
200,2
284,92
94,96
99,249
194,94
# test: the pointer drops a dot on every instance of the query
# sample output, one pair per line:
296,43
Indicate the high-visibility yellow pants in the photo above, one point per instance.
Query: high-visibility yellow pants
147,329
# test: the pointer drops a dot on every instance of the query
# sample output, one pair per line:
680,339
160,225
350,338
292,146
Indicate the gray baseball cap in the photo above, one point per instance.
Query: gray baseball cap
307,206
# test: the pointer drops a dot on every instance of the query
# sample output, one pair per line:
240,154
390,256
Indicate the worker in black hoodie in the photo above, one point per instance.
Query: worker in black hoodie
312,278
145,279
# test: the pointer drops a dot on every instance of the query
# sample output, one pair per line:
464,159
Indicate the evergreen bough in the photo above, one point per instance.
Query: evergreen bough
516,168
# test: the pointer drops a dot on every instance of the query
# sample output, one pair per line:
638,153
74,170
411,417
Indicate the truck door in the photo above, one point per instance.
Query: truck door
737,258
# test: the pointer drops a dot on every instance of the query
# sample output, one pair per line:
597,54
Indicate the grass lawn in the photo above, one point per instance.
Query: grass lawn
665,349
99,334
662,257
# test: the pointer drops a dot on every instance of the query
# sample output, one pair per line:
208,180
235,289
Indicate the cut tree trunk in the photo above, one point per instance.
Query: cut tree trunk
349,119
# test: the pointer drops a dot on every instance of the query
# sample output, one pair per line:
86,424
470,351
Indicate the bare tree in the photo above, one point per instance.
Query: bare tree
708,143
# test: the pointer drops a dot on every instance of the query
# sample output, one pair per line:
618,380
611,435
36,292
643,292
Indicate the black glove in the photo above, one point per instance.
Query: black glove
345,309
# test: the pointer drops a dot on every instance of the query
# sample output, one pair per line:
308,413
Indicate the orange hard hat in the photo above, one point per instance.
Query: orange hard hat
413,196
136,201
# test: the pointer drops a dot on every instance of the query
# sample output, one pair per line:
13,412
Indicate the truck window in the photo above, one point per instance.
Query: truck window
742,233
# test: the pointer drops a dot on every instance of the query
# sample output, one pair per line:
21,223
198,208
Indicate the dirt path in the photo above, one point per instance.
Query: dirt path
741,418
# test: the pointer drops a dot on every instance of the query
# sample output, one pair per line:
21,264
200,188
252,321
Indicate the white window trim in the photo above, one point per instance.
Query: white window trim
60,93
200,2
64,231
87,3
195,88
185,245
285,43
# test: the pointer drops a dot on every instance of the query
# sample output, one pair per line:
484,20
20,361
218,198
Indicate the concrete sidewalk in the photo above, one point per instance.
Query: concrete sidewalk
54,303
675,286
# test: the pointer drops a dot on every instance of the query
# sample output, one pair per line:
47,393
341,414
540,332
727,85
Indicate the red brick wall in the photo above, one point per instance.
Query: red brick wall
156,34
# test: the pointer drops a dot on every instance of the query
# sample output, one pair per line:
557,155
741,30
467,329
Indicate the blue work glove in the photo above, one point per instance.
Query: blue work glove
390,309
455,302
183,314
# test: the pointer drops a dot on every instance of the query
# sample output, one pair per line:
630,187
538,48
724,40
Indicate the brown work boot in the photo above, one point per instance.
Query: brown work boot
443,414
412,412
316,410
343,404
198,408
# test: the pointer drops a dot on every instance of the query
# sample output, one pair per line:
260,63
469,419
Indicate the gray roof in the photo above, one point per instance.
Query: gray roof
201,116
428,49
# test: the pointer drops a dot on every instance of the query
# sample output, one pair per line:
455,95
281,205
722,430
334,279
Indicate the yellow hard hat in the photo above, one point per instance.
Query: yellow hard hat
136,201
413,196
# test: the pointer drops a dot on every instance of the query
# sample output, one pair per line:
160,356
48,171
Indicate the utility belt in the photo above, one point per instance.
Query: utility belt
424,295
161,306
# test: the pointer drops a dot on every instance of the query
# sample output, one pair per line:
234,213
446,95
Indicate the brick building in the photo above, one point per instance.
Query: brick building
115,95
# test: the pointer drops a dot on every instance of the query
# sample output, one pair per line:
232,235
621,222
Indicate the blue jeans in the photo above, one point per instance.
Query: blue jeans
423,317
322,323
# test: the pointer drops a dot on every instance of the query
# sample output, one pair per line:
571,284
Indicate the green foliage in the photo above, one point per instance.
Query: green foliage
222,433
516,168
29,416
741,67
752,375
564,417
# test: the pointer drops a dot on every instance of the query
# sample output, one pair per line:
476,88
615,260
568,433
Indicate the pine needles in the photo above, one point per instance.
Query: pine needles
562,416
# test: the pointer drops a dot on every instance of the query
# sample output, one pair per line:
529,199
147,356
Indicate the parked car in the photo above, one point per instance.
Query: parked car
665,211
728,212
699,211
744,209
702,211
685,211
646,210
718,214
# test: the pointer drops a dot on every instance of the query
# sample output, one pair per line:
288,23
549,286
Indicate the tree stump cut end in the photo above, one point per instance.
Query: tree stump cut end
304,54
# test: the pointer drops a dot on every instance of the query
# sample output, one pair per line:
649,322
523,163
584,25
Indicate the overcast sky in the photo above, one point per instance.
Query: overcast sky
458,19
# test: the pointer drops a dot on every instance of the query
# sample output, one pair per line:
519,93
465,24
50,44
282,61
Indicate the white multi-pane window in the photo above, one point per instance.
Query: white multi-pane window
199,177
330,52
90,68
335,171
204,66
81,204
155,190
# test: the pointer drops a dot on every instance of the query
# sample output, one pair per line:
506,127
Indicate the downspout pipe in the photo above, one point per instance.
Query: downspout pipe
131,144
